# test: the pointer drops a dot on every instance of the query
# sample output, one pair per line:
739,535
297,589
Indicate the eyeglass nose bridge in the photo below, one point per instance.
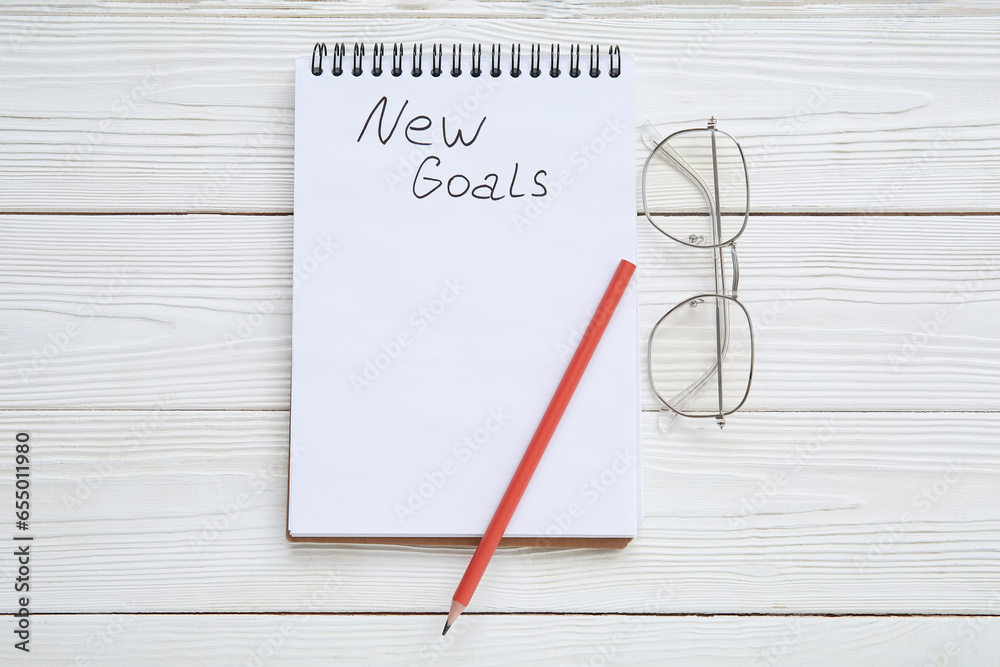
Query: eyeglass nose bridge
736,270
695,240
719,262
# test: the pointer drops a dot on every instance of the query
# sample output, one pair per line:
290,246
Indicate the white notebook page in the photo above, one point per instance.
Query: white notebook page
431,327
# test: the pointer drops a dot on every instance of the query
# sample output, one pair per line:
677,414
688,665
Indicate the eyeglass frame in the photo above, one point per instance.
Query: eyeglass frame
718,259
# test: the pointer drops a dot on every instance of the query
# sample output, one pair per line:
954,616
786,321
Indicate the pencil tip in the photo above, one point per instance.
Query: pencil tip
456,609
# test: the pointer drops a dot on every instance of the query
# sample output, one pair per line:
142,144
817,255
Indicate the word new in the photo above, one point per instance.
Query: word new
426,183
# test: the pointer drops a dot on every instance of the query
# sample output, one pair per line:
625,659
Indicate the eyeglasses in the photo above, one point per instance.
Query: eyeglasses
696,190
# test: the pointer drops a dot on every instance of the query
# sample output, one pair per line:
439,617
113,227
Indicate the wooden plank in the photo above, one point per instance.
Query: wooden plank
779,513
894,313
540,9
885,303
194,113
112,640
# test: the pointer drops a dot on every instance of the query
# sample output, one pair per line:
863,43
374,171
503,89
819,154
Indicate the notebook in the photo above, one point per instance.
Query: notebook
457,219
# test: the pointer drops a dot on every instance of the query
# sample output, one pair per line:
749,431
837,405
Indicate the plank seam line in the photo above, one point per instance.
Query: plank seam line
758,214
650,411
525,613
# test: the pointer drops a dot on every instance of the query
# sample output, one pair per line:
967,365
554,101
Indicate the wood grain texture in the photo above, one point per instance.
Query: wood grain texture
415,641
194,113
184,511
492,9
891,313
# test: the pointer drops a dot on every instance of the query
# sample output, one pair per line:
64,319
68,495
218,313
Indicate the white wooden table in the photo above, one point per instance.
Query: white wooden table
850,515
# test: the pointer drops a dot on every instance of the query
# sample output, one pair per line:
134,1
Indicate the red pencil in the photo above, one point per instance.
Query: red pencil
557,406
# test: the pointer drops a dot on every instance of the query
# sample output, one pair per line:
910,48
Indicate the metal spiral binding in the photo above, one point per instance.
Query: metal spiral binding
338,59
436,56
359,56
614,70
377,54
437,60
574,65
477,60
494,61
397,63
317,66
515,65
417,60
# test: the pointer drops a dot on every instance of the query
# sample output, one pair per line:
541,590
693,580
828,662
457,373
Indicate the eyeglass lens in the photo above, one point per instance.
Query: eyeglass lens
686,348
685,181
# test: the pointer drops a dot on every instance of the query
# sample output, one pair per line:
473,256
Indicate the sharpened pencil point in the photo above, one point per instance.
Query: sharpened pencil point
456,609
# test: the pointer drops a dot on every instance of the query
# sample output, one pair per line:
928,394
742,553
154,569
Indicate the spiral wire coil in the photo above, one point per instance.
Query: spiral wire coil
320,53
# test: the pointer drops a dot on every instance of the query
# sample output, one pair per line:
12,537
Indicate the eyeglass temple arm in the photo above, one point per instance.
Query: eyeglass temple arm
653,140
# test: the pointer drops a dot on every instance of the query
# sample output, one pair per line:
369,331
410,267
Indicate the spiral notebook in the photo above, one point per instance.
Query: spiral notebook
457,218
